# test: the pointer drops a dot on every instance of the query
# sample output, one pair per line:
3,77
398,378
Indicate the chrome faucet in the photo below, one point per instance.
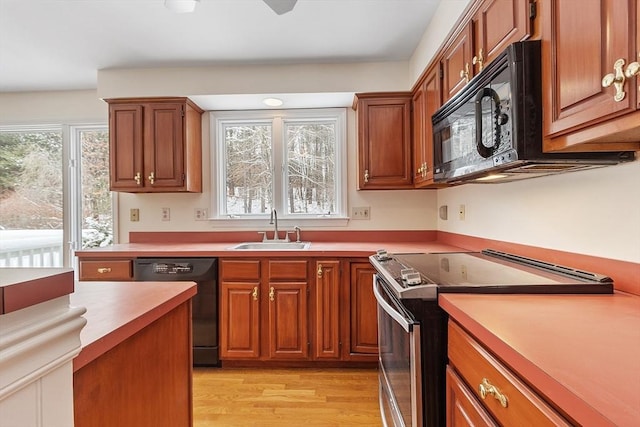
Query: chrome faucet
274,221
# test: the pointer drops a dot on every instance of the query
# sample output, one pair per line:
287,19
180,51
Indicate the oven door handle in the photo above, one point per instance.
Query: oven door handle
402,321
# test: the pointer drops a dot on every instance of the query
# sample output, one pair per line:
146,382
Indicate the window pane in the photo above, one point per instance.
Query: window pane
97,221
31,224
249,165
311,168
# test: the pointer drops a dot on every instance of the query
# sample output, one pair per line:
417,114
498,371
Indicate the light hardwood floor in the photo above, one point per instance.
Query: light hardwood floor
232,397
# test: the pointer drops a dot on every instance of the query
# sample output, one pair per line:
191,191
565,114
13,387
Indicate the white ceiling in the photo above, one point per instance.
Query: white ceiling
60,44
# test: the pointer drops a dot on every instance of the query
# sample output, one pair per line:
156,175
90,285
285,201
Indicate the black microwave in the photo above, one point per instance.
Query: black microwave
491,131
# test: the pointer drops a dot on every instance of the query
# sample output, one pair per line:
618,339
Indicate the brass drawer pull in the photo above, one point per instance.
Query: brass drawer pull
319,270
366,175
138,178
103,270
254,294
617,79
272,293
487,388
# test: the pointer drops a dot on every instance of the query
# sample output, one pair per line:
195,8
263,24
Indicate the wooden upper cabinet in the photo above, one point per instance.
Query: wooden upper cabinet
384,140
496,25
457,63
155,145
426,100
491,27
578,51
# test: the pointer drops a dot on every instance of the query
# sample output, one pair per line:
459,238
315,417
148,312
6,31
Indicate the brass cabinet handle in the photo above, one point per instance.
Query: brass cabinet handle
425,169
479,60
138,178
103,270
486,387
152,177
319,270
464,74
254,294
272,293
633,69
366,175
617,79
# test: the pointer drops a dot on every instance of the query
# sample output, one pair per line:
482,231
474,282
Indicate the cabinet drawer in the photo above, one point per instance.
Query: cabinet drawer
479,369
288,270
113,269
232,269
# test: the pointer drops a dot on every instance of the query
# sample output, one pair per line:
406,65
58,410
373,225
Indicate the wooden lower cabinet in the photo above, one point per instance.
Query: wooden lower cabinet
297,310
482,391
463,409
362,313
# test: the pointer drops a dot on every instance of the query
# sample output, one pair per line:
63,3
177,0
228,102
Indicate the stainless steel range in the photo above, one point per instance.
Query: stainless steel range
412,327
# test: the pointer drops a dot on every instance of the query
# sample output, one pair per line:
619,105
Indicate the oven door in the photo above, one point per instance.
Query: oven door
400,375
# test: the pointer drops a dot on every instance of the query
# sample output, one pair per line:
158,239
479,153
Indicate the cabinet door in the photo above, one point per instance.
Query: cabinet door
456,64
384,141
164,146
240,320
327,310
125,147
497,24
463,409
426,100
364,311
287,321
579,49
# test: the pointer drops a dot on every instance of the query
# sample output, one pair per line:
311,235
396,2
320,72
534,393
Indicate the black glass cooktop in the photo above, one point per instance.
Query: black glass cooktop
485,272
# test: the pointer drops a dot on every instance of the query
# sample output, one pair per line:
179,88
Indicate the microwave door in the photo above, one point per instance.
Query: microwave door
488,121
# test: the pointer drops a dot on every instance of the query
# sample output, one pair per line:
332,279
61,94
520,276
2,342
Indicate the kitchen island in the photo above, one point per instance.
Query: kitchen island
135,364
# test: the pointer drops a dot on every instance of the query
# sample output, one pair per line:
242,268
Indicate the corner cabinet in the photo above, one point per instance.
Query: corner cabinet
155,145
384,140
590,66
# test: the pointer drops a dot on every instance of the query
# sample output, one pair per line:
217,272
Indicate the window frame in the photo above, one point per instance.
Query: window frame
278,119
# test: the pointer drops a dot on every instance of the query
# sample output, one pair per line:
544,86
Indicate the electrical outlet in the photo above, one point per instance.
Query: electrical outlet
134,215
200,214
363,212
462,212
166,214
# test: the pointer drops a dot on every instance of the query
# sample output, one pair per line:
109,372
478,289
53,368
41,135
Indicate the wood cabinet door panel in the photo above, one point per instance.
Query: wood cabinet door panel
384,141
364,309
288,324
463,409
419,135
125,146
240,320
598,36
456,59
164,147
500,23
327,310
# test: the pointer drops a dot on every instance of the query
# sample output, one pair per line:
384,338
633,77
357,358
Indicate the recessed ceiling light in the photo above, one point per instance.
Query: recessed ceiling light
181,6
272,102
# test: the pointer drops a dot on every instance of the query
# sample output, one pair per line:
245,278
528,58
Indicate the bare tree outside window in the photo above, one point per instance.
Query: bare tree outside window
311,168
286,160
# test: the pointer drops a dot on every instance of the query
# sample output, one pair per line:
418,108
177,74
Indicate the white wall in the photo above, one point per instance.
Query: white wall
68,107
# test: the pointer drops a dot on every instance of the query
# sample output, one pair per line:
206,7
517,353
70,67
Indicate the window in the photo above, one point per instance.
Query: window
41,206
289,160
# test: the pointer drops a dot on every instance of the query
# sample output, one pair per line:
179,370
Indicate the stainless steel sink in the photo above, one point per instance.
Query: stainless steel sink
272,246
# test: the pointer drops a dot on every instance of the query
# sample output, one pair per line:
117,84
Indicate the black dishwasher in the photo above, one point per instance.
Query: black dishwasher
203,271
